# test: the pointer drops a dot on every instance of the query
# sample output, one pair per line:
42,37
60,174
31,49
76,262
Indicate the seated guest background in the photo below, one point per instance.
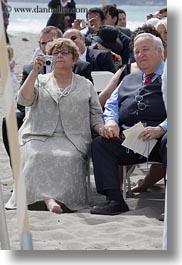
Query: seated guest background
107,39
99,60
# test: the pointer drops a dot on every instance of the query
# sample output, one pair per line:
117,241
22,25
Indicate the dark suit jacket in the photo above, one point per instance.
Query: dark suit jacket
125,52
126,31
84,69
100,60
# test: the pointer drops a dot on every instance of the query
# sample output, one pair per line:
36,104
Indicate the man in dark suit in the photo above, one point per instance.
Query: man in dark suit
99,60
111,18
84,69
137,98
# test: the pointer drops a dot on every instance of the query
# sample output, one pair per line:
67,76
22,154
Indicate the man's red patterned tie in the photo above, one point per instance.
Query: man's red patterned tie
148,79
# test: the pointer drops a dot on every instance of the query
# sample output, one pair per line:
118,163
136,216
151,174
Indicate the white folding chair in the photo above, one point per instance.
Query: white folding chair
101,79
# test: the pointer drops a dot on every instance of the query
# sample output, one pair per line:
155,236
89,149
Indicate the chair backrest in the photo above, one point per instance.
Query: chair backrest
101,79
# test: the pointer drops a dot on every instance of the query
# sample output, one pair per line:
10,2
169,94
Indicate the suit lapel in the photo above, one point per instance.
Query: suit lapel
90,58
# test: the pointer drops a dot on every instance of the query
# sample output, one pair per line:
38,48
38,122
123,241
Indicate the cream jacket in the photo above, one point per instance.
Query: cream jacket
80,112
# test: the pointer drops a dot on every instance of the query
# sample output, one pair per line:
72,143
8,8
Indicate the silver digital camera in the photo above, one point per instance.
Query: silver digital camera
85,24
48,59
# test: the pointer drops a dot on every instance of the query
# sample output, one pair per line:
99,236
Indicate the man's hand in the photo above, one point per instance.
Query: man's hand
94,24
110,130
151,133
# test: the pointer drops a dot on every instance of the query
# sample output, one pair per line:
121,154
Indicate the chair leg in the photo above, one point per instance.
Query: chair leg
124,182
4,238
129,172
126,178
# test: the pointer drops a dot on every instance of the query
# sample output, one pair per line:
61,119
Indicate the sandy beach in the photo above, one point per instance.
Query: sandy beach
138,229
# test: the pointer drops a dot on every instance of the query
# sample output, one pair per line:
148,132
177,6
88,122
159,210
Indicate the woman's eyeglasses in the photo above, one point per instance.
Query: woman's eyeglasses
64,53
140,105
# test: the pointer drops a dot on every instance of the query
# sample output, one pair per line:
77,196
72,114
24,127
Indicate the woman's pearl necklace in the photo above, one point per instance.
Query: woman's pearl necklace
66,91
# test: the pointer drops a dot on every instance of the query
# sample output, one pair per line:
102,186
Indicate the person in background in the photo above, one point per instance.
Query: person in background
52,139
94,19
63,14
111,18
111,14
47,34
160,14
136,99
97,18
99,60
121,18
122,22
107,39
161,27
152,21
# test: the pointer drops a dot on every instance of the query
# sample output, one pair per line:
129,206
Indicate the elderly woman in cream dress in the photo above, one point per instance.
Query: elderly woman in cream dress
62,112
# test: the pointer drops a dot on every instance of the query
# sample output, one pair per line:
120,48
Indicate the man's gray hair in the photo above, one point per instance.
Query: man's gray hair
157,41
48,29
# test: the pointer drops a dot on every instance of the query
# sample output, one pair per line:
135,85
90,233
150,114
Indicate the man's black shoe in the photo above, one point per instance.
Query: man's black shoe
112,208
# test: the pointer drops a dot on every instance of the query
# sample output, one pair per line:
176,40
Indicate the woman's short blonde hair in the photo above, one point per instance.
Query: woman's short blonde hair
162,22
63,43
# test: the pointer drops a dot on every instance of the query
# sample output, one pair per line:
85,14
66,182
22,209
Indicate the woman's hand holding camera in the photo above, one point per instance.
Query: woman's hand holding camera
27,89
38,64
